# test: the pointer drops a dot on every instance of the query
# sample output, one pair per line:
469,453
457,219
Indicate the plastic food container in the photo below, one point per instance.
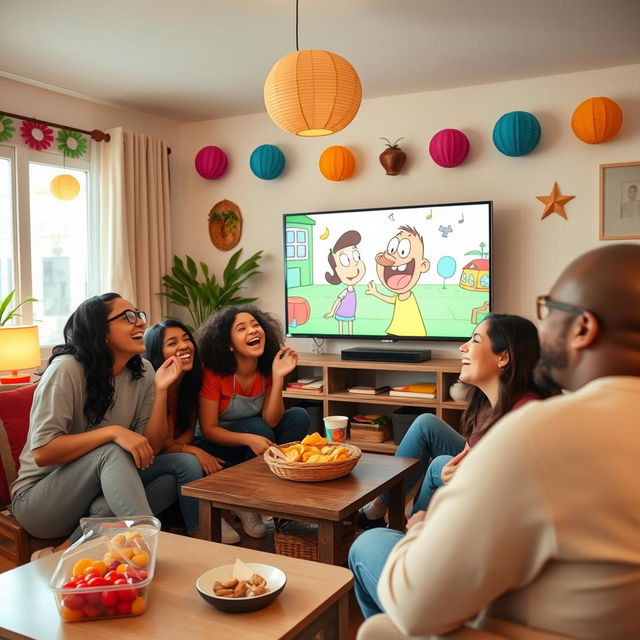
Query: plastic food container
107,573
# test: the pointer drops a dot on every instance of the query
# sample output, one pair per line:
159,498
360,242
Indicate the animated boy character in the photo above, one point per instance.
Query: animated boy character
399,269
346,268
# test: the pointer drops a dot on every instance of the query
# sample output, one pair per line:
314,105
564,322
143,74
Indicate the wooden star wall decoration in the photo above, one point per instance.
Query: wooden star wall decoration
554,202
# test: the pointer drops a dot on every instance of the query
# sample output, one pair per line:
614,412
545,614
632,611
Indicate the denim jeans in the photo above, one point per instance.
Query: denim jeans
367,557
431,482
428,437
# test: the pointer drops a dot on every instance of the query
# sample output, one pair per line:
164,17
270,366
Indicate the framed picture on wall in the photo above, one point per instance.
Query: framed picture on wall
620,201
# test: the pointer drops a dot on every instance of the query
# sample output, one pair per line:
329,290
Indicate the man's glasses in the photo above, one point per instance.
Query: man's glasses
131,316
544,304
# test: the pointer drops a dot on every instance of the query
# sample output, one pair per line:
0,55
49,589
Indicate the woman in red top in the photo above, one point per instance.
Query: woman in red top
241,396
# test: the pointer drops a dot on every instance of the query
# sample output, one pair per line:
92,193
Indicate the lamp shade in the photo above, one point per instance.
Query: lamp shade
312,93
64,187
337,163
449,147
211,162
516,133
19,349
596,120
267,162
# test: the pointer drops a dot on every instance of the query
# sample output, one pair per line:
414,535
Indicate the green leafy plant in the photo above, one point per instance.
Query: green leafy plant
392,145
7,314
228,218
482,253
203,297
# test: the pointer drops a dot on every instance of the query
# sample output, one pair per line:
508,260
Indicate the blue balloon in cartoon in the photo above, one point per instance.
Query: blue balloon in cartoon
446,268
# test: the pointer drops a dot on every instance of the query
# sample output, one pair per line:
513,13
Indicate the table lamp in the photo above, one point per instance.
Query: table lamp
19,349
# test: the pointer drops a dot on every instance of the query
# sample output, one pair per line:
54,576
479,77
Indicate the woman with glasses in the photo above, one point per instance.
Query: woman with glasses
498,361
163,341
97,422
241,396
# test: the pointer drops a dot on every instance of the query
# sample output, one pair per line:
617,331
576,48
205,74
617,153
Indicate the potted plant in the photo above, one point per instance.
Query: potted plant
203,297
393,157
7,314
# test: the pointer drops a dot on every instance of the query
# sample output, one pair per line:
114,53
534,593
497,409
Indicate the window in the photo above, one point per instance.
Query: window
296,244
47,246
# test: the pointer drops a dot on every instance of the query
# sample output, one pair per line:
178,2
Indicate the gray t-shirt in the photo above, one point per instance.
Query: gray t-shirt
58,409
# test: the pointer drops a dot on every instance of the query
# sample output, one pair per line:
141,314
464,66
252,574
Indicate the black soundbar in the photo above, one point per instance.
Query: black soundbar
386,355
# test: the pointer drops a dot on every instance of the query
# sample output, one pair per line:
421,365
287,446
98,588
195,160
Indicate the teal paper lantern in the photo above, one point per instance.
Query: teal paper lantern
516,133
267,161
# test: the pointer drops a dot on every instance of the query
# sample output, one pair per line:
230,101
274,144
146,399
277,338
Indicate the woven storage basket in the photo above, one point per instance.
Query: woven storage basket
311,471
300,539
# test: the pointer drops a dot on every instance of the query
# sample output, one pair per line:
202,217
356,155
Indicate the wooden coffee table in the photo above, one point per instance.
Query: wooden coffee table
251,486
314,599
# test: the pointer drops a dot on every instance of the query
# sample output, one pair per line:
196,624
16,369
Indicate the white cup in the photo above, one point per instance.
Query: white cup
335,428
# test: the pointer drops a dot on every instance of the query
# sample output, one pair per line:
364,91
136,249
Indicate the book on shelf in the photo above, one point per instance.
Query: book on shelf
311,385
368,389
416,390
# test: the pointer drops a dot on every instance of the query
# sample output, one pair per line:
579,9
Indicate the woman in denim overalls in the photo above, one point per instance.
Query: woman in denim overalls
241,397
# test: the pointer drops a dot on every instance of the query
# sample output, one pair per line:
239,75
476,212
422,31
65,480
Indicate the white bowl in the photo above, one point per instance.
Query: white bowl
276,579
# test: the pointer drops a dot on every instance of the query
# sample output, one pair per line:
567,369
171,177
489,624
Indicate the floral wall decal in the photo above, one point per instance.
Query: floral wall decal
6,128
71,143
37,136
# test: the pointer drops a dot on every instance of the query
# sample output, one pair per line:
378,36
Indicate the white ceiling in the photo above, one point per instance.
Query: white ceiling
201,59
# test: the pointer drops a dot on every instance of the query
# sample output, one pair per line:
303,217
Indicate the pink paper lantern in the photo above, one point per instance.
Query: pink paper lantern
211,162
449,148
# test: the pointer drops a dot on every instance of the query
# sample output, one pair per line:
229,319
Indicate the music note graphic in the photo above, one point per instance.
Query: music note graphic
430,215
461,219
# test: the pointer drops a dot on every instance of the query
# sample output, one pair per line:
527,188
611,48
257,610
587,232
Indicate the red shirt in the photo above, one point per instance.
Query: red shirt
474,438
221,388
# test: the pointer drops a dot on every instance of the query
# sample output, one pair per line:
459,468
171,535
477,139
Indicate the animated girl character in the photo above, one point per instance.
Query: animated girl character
346,268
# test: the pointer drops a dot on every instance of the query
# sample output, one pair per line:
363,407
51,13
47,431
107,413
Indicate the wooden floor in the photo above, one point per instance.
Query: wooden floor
261,544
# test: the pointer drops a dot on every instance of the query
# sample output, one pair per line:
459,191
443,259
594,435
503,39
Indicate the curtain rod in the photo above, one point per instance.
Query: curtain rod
96,134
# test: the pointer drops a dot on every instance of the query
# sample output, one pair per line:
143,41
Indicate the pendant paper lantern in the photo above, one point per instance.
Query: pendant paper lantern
516,133
211,162
267,162
596,120
312,93
337,163
64,187
449,147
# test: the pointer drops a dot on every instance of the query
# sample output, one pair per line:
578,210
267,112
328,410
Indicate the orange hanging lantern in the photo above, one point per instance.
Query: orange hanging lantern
596,120
312,93
64,187
337,163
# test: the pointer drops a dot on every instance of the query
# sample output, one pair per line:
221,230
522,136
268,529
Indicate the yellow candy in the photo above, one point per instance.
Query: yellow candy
141,559
138,606
100,567
121,568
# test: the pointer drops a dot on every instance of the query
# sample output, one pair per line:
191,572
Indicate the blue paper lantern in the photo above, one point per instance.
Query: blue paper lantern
516,133
267,161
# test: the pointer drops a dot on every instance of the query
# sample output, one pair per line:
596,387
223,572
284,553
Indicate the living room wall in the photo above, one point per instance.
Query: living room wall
529,252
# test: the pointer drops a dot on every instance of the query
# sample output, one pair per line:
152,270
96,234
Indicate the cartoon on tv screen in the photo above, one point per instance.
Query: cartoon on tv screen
409,272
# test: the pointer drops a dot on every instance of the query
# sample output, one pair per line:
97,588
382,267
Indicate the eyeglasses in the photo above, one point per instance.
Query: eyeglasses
544,304
131,316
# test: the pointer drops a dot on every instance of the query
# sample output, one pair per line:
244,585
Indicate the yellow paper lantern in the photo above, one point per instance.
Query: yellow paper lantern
64,187
337,163
312,93
596,120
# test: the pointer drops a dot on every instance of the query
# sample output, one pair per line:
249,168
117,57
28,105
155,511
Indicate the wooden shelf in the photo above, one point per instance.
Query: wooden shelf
337,375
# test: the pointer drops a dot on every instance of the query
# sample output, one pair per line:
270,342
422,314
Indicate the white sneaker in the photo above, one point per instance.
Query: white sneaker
252,524
229,534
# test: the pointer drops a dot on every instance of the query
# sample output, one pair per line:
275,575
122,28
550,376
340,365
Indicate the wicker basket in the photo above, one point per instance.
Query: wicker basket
311,471
300,539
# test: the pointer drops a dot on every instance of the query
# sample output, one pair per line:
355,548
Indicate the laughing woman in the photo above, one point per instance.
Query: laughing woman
241,396
96,423
192,458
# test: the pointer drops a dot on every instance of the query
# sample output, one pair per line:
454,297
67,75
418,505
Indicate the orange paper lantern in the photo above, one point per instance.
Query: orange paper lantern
337,163
596,120
312,93
64,187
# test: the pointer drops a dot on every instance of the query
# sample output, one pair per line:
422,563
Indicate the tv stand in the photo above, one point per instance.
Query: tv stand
382,354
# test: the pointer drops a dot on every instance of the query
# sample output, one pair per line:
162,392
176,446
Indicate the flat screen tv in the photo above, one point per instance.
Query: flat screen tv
402,273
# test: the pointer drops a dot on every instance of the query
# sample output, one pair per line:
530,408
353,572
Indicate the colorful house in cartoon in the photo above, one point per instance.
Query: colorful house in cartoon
475,275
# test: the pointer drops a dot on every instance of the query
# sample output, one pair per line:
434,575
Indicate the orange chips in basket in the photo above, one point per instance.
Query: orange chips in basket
314,448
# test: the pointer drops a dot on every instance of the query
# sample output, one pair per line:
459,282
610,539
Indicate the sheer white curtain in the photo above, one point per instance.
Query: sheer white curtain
135,219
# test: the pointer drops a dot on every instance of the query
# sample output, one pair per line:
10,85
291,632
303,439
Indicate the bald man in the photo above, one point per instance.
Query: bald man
540,528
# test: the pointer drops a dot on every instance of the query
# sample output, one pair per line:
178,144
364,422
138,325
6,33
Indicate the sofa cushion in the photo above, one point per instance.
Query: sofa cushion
15,406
